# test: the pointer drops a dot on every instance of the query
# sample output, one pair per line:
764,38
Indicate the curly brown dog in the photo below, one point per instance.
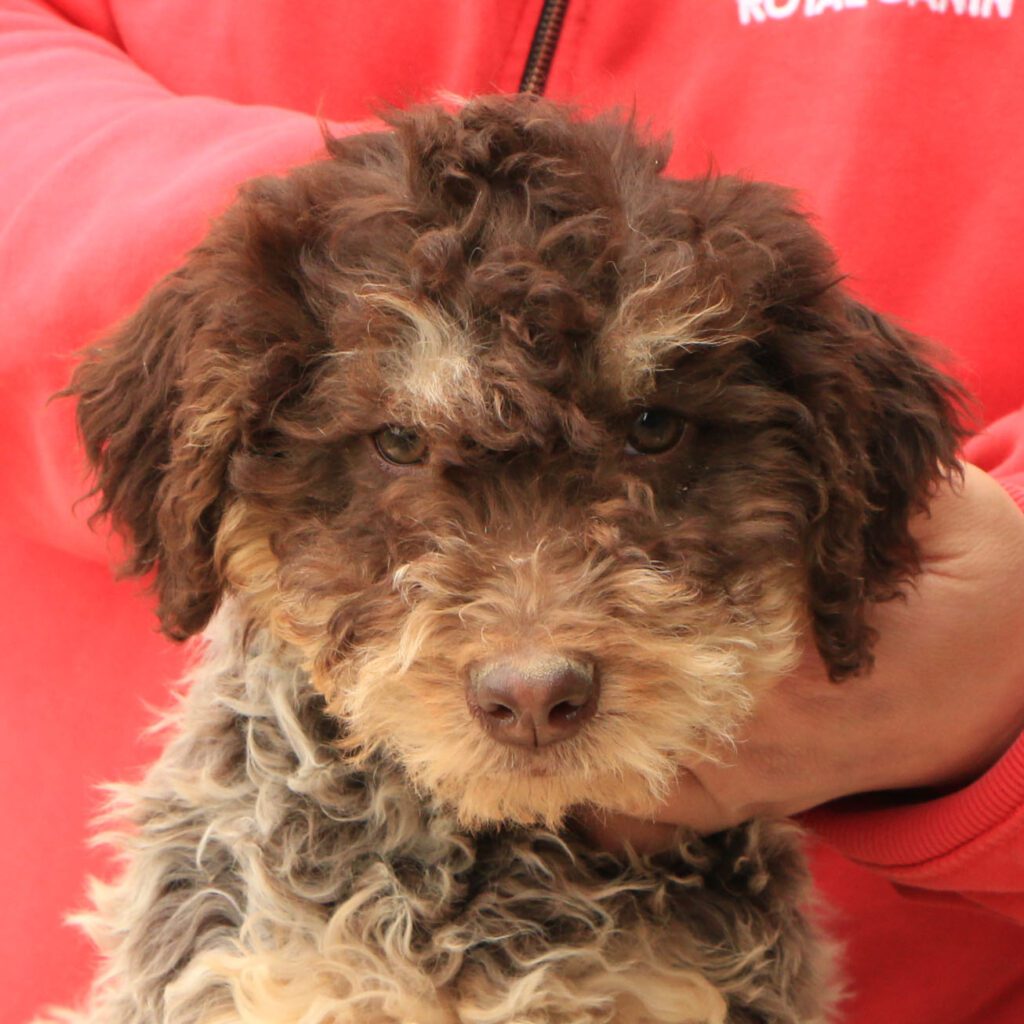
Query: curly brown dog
516,472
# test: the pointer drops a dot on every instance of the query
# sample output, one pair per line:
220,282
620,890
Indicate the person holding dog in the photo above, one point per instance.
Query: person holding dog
125,130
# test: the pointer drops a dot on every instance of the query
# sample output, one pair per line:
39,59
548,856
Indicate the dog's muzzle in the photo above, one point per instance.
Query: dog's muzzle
533,700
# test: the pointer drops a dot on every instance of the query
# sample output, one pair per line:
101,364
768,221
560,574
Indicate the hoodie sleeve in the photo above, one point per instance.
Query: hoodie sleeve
968,845
115,179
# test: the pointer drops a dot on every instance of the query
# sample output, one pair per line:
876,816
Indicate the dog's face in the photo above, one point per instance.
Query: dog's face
542,462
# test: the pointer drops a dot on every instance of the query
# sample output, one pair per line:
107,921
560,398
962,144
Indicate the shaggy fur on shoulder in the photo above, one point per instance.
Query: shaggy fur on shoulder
474,406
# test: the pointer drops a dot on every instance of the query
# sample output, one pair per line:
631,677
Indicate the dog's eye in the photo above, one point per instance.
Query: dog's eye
401,445
654,431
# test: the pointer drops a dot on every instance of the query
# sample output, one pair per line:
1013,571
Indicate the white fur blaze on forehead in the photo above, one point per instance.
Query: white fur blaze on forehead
666,316
432,370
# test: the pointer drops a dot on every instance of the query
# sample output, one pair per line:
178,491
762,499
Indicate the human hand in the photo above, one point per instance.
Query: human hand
944,701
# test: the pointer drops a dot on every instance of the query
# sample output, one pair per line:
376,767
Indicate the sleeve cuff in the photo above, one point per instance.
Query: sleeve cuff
914,835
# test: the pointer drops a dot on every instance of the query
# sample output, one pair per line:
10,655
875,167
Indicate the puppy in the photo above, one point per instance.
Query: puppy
514,473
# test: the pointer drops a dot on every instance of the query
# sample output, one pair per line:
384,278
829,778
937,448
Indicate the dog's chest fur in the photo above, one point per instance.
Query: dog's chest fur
268,880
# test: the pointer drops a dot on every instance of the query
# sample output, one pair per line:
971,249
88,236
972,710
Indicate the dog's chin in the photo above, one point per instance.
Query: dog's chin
541,793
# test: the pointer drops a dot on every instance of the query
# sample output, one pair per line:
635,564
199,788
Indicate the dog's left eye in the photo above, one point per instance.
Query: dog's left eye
654,431
401,445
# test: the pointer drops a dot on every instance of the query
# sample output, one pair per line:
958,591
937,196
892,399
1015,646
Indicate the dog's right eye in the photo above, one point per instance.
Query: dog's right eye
402,446
655,431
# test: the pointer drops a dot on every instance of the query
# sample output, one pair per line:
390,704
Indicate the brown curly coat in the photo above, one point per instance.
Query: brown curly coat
330,836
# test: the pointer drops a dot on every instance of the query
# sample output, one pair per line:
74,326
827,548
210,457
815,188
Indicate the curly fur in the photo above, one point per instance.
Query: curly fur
330,835
270,880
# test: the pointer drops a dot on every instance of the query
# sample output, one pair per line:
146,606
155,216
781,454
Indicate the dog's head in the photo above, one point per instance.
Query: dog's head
541,461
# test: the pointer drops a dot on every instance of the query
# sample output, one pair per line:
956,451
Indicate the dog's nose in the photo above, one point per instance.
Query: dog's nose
533,701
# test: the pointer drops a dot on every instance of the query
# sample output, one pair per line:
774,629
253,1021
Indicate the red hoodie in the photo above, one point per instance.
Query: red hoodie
125,125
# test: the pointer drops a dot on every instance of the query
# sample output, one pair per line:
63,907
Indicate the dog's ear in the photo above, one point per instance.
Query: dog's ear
889,425
129,396
165,402
873,425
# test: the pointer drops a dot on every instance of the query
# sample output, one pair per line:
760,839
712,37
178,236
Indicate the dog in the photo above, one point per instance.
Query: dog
505,474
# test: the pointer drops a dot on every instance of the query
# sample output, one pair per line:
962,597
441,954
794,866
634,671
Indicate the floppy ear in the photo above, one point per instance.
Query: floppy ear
129,412
167,400
889,426
874,427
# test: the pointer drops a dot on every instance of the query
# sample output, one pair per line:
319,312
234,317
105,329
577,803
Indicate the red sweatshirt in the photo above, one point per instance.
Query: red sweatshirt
126,124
